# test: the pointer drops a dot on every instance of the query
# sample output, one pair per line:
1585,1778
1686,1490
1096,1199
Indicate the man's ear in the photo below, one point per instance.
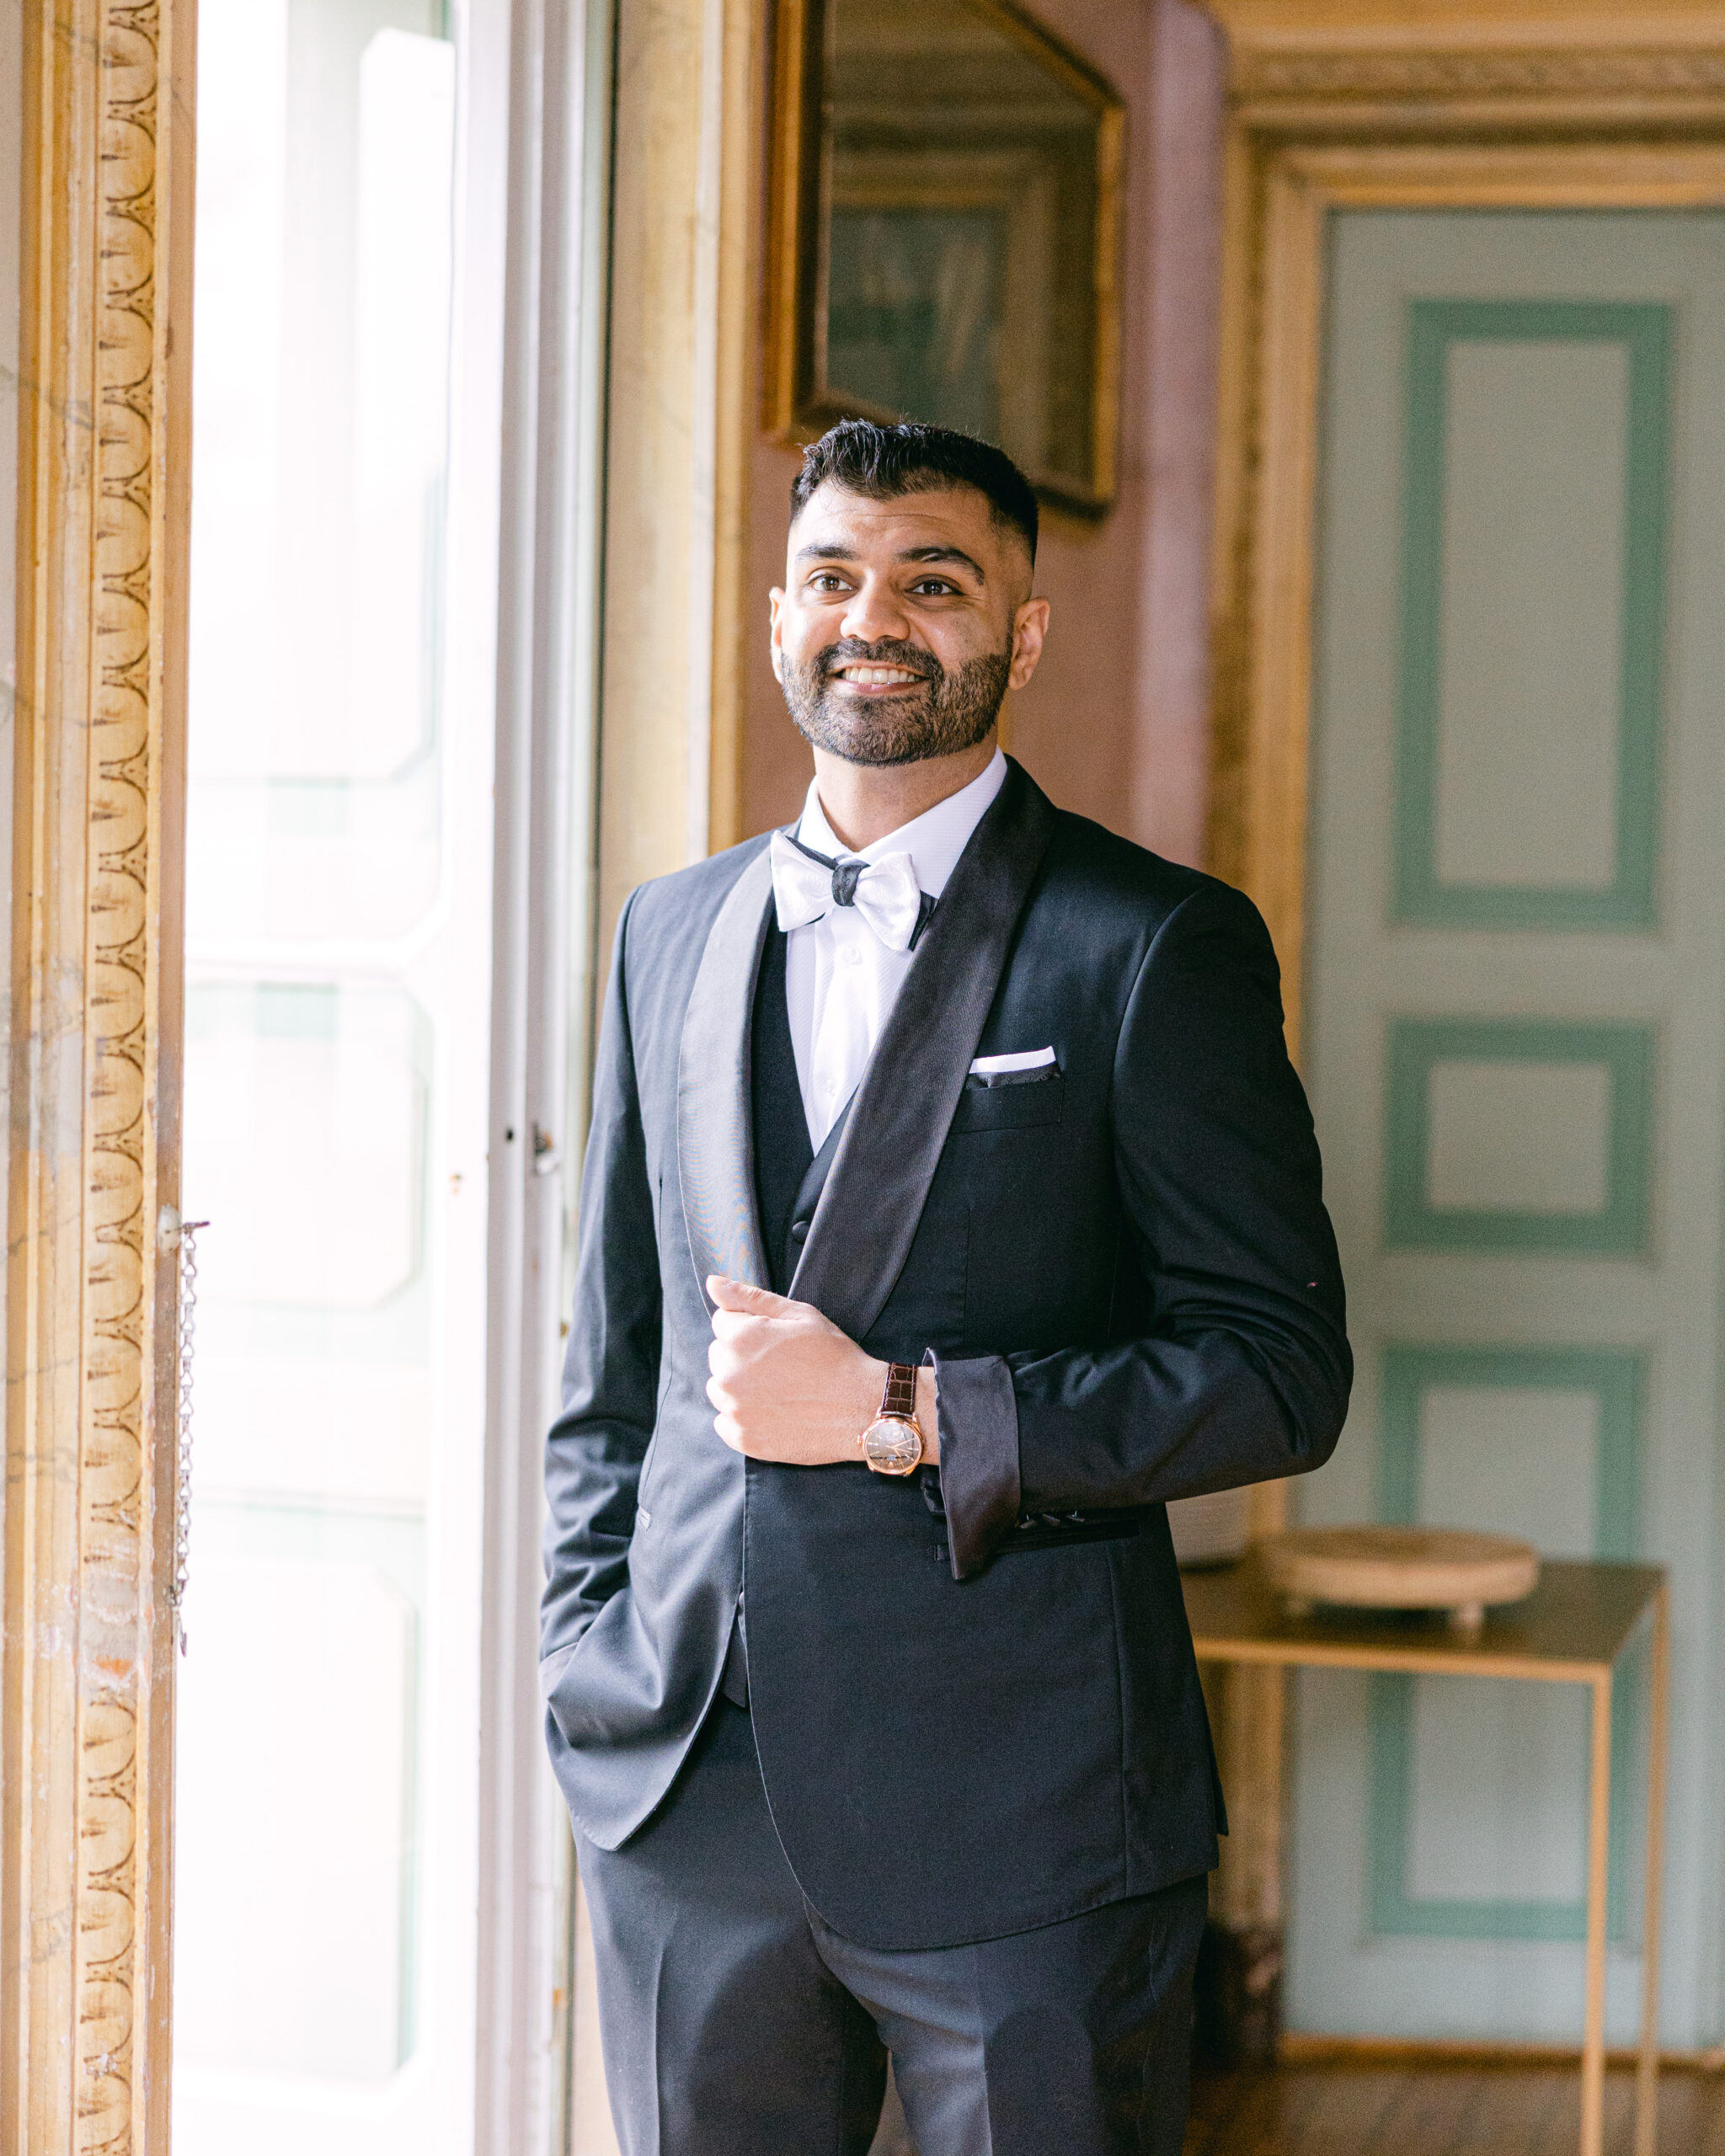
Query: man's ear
1029,633
775,635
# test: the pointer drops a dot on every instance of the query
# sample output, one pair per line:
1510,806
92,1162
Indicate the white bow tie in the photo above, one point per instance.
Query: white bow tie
806,885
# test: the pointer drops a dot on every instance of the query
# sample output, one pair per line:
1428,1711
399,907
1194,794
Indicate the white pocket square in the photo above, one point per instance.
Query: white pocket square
1026,1059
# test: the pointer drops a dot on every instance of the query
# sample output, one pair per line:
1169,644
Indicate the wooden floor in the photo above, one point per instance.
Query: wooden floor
1438,2110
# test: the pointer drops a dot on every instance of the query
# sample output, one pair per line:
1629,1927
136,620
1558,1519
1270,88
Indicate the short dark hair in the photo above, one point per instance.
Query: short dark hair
910,458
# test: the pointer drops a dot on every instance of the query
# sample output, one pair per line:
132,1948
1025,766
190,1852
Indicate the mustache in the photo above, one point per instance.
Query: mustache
849,651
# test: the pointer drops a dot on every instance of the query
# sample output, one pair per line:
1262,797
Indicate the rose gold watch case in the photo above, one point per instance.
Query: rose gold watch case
892,1445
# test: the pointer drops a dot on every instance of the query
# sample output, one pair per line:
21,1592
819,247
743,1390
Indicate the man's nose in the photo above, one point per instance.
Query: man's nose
875,615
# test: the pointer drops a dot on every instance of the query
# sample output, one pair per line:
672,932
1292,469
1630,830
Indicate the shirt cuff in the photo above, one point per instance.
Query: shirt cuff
977,1412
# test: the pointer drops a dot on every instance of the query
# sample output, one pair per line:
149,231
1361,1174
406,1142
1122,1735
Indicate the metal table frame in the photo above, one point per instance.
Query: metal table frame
1574,1629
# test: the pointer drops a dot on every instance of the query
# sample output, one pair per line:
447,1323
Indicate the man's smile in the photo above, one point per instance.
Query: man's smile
859,674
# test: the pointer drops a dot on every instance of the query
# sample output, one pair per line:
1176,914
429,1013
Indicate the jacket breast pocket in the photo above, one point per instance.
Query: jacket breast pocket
1015,1100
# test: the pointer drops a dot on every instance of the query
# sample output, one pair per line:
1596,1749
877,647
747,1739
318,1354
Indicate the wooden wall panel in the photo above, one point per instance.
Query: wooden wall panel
683,171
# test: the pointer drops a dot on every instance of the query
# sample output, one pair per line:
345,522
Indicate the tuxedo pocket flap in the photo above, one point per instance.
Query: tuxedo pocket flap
1012,1101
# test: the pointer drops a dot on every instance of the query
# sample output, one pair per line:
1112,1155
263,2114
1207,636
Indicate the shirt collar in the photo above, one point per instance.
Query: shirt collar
934,840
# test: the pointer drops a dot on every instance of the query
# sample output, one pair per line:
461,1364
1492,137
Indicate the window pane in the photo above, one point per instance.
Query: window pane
336,1008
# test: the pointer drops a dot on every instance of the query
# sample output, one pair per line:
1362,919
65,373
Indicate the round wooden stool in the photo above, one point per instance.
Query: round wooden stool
1399,1568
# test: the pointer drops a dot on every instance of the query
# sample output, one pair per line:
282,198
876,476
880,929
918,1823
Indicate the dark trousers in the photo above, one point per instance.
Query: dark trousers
736,2022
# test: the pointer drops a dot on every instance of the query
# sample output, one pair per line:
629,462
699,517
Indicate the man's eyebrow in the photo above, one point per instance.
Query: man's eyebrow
944,554
840,553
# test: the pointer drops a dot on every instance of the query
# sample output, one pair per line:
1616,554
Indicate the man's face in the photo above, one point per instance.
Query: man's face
902,623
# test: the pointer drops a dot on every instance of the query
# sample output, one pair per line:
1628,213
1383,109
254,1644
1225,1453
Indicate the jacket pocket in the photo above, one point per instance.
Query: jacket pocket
1055,1530
1052,1531
1015,1100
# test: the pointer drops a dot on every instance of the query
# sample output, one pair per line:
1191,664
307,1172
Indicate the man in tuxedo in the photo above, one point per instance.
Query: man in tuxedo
950,1205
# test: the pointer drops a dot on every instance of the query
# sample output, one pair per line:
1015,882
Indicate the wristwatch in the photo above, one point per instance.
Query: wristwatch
892,1445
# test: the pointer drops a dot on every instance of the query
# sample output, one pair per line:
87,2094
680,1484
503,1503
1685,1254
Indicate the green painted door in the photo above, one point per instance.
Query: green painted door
1515,1041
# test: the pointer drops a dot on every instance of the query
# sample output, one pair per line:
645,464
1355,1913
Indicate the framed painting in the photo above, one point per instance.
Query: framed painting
945,242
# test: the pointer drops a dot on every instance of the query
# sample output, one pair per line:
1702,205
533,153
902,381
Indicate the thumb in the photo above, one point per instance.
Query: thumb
748,1302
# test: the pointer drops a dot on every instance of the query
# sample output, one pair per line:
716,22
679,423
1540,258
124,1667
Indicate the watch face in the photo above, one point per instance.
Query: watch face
892,1446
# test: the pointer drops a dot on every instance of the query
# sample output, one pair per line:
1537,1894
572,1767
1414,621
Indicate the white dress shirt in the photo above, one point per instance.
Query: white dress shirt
840,980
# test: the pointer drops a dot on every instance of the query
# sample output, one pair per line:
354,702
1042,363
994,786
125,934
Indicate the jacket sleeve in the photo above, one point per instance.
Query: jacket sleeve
594,1454
1240,1369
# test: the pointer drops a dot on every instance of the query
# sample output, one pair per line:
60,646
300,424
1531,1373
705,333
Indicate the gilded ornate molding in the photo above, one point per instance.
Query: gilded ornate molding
105,380
114,1513
1452,74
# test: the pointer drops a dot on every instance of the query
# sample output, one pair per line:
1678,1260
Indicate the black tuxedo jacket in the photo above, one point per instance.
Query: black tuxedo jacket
974,1696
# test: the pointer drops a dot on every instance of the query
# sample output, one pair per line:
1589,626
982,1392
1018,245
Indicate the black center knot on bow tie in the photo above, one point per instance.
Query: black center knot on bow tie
845,875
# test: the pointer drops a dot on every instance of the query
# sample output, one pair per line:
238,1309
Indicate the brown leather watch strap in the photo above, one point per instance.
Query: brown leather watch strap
900,1397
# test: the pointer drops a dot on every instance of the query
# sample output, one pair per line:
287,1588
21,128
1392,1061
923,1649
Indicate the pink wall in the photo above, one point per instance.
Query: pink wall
1115,724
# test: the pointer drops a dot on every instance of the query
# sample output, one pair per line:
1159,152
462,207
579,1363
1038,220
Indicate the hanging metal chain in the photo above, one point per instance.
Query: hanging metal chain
173,1234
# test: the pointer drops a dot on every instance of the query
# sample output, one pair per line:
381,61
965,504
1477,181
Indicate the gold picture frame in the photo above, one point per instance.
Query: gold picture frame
997,226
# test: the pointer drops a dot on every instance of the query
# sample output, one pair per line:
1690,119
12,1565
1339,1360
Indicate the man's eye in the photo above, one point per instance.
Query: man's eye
826,580
933,587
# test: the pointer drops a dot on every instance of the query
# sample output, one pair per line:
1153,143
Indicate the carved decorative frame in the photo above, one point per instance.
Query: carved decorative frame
86,1712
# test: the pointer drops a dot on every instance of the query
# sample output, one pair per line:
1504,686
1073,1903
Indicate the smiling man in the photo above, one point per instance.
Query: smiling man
951,1205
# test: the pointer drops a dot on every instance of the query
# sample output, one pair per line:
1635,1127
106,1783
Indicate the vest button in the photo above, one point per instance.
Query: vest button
799,1231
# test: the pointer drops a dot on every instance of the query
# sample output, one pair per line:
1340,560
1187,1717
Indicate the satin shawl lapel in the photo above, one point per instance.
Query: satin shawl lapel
821,1167
863,1228
715,1120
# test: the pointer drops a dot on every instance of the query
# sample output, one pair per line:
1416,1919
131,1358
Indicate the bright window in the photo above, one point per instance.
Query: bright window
337,1051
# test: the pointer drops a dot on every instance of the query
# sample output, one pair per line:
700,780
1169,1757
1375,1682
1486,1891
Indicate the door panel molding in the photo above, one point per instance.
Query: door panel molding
1643,333
1616,1378
1415,1218
97,803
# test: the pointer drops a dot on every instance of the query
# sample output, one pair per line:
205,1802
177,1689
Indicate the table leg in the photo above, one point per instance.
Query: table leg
1599,1851
1646,2078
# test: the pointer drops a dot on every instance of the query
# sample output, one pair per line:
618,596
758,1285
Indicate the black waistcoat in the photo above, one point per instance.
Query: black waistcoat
789,1178
789,1175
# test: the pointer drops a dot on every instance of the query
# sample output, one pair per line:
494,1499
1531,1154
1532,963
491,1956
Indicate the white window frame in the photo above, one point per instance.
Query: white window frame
536,209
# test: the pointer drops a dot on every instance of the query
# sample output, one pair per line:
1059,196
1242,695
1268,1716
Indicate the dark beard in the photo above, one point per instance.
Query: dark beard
948,713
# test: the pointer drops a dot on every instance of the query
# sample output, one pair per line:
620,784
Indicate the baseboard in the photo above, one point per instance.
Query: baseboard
1296,2048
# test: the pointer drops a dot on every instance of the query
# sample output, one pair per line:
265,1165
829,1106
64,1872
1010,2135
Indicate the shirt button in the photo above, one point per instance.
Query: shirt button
853,957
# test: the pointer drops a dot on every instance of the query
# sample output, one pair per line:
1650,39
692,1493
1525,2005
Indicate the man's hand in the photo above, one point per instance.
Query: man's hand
790,1386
